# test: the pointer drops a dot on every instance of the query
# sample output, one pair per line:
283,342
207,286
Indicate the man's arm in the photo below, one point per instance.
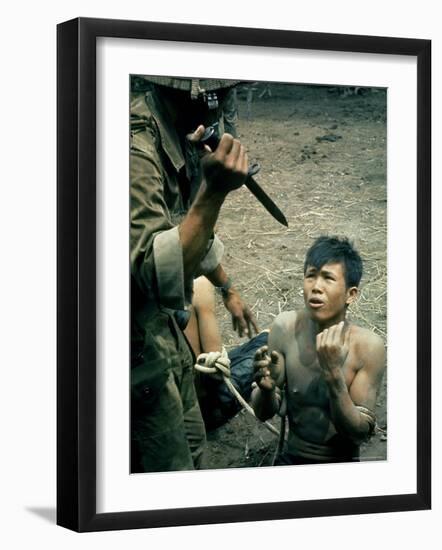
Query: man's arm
243,320
355,423
165,257
223,171
270,371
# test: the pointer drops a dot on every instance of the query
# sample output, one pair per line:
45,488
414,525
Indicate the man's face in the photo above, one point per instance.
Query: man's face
326,294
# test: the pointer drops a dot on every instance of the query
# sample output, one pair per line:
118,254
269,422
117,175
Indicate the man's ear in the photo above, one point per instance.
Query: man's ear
352,294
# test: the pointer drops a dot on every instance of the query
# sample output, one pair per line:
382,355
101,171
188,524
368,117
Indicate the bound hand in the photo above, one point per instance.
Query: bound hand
264,368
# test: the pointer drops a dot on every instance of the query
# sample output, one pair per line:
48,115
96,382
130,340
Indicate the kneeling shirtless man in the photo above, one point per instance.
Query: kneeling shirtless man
323,371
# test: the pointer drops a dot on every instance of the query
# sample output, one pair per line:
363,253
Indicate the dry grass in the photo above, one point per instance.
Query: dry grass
324,187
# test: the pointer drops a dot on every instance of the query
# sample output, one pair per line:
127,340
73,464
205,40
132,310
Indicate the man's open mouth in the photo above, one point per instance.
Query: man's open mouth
315,303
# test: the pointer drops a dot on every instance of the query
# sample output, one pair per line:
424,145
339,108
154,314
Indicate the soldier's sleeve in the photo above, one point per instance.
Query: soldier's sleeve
212,258
156,254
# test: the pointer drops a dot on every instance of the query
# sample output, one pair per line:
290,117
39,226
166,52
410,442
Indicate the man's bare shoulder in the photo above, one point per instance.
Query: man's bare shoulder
365,337
367,344
286,320
281,330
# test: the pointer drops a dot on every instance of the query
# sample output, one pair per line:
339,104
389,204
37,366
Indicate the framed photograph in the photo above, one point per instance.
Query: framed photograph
286,176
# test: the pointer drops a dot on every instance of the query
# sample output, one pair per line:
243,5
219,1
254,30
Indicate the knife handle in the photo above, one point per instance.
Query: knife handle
210,138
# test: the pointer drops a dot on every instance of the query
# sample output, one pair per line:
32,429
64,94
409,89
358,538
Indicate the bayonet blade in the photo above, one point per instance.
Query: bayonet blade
211,138
265,200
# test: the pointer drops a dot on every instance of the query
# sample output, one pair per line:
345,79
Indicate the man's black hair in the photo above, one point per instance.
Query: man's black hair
333,250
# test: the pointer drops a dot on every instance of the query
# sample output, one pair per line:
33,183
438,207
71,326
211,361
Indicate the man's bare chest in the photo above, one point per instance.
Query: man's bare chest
305,383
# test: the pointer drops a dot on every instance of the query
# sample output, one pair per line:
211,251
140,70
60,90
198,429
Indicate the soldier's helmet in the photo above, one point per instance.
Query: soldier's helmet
196,87
201,100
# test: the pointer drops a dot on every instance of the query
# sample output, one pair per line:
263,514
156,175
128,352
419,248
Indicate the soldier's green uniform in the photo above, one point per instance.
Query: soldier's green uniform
166,424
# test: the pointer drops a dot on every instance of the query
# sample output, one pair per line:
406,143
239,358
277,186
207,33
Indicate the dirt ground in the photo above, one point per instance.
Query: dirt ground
322,153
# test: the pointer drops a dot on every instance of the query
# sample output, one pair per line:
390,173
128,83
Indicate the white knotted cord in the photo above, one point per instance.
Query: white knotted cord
218,362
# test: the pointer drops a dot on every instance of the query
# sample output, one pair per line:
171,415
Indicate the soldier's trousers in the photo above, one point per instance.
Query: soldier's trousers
170,434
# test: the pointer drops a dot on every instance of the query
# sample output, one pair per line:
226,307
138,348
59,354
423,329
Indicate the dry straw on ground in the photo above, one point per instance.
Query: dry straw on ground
323,161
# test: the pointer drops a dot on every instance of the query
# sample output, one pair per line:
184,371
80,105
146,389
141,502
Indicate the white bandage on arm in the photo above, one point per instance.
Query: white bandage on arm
212,257
168,257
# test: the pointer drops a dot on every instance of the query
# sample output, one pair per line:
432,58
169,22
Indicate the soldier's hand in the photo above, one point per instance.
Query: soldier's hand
243,320
264,366
224,169
195,137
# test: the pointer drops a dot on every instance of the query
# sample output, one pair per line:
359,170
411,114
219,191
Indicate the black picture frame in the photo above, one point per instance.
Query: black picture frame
76,274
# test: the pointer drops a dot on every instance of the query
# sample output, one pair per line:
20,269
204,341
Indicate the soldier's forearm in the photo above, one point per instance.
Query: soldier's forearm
218,277
197,227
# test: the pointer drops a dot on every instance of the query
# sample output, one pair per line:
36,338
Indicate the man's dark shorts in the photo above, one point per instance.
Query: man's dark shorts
218,405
